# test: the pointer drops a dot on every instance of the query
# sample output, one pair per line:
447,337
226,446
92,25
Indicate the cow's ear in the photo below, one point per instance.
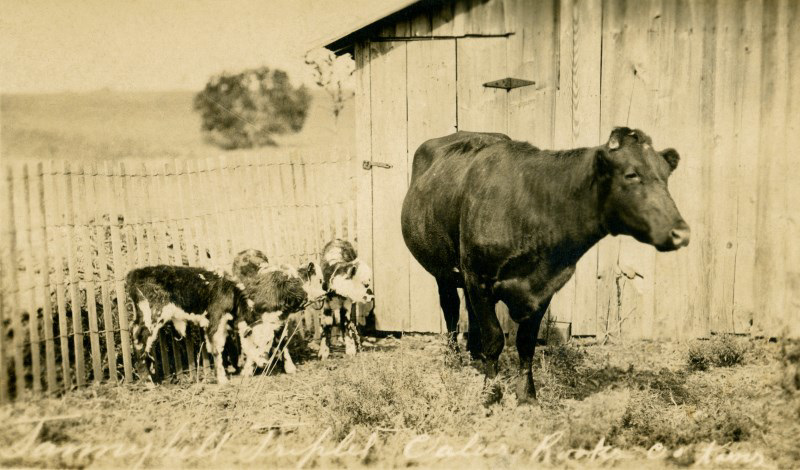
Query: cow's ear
602,163
672,158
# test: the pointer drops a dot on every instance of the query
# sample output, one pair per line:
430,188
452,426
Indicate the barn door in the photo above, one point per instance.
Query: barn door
412,99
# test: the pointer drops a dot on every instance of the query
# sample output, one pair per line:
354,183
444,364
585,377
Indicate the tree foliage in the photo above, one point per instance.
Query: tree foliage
247,109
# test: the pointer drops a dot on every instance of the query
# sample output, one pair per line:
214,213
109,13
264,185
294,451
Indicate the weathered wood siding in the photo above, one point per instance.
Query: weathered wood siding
717,80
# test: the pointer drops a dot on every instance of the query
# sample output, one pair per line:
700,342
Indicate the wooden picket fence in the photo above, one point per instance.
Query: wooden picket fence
71,230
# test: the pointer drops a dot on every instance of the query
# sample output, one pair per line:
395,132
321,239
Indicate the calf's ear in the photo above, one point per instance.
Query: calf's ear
672,158
351,271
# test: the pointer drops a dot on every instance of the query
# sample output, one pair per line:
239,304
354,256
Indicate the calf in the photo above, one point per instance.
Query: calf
276,292
182,295
347,280
280,288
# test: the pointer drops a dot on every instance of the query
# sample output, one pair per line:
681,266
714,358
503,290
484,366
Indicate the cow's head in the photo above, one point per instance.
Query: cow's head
247,263
634,199
311,275
353,280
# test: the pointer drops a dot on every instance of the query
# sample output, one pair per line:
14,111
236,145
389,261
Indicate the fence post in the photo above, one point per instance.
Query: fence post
30,287
44,267
115,197
57,209
101,204
11,272
71,196
86,226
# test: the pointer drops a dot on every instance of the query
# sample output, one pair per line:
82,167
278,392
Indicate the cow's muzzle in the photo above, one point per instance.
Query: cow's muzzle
678,238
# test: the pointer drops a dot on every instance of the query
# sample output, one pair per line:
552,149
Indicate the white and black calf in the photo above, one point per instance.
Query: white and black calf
277,291
347,280
182,295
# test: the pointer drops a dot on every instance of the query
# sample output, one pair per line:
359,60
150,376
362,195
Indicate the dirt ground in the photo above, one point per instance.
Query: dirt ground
412,402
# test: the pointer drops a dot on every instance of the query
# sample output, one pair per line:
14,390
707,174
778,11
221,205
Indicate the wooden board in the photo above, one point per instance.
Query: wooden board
431,98
389,145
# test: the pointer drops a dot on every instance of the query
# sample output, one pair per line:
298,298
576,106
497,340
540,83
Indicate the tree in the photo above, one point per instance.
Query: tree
331,73
247,109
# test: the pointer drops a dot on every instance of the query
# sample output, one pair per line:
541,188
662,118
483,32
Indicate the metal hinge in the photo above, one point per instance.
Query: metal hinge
509,83
368,164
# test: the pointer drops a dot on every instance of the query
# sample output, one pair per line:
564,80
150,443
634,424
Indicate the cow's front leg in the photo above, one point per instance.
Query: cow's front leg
526,345
492,338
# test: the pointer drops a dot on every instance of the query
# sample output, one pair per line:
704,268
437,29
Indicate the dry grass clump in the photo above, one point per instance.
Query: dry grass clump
398,392
719,351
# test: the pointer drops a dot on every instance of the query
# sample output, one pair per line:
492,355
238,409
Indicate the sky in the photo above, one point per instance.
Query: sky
137,45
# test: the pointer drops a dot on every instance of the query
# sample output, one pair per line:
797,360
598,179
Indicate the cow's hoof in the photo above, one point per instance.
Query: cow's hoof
222,381
289,368
526,392
349,346
324,352
149,385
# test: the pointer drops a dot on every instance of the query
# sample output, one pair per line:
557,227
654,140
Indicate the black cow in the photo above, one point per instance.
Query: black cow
508,221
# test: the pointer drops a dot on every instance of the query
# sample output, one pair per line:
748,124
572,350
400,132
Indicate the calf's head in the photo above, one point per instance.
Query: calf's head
634,199
247,263
353,280
277,288
311,275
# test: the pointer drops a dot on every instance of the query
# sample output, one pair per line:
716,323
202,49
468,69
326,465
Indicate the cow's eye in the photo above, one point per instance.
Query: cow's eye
631,176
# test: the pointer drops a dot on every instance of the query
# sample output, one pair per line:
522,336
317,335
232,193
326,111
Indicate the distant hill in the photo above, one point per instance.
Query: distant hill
112,124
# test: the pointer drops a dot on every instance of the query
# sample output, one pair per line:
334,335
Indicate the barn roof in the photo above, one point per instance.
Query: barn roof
342,40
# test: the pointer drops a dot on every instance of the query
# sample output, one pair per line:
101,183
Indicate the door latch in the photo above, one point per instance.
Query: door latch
368,164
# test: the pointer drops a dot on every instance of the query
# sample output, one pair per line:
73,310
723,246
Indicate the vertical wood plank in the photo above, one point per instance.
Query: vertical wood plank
101,210
792,214
290,221
431,97
44,283
116,199
72,179
15,294
770,224
749,128
29,282
563,301
4,304
87,198
196,211
389,142
585,70
363,111
223,179
56,207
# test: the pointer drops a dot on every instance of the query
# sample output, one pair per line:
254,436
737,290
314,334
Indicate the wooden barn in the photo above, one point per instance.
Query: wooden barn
717,80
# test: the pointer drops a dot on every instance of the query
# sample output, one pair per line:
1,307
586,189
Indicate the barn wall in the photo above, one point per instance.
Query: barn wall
711,79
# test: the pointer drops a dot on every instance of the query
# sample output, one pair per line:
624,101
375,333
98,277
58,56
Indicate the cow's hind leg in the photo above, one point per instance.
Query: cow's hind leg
451,304
492,338
526,344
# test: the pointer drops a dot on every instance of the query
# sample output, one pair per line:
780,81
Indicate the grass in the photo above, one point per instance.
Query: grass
412,402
